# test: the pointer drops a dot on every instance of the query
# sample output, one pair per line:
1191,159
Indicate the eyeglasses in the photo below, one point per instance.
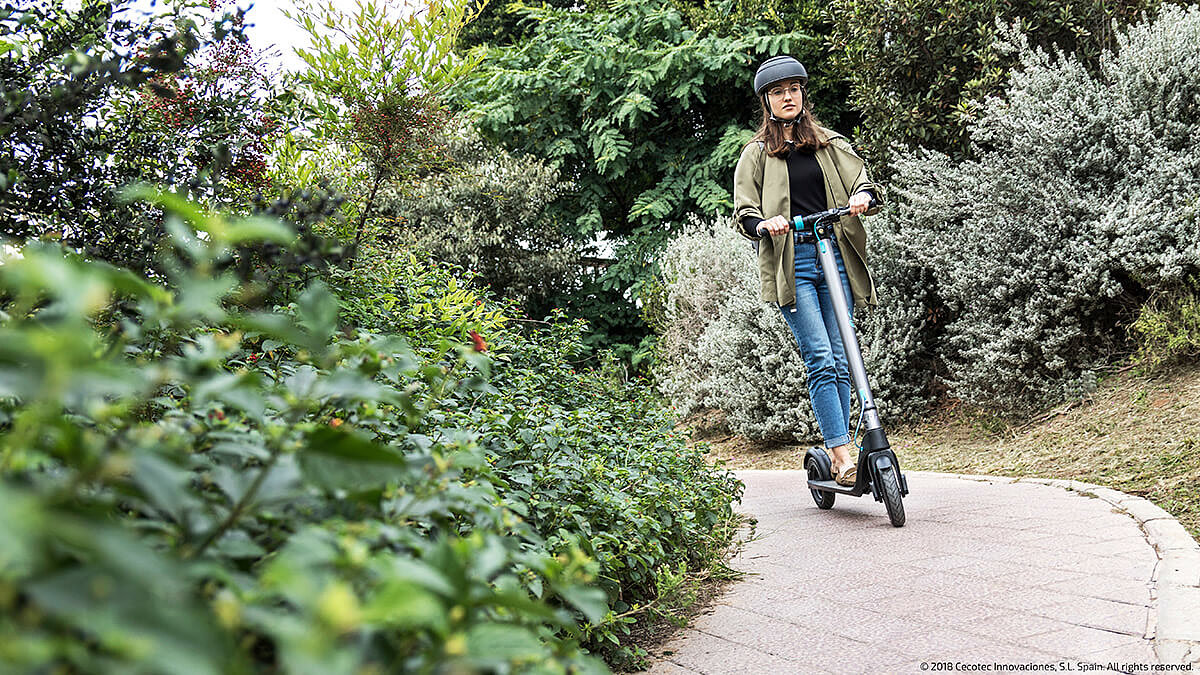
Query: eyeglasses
778,92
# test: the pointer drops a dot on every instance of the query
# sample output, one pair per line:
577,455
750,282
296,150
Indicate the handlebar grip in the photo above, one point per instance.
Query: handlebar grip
800,223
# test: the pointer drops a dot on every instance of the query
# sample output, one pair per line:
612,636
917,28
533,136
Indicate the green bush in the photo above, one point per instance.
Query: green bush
186,485
721,348
1167,329
488,214
401,292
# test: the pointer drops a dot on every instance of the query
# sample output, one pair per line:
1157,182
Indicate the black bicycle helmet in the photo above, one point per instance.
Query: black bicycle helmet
777,69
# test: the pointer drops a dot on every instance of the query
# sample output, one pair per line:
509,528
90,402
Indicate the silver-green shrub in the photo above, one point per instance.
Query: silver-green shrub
1033,258
721,348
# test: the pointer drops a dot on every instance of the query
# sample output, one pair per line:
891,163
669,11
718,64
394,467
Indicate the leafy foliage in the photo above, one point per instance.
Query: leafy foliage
186,484
643,114
214,119
828,89
95,100
1167,329
372,84
488,214
919,70
500,24
58,72
1036,257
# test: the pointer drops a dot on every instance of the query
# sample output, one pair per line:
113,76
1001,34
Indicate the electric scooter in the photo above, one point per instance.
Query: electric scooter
878,468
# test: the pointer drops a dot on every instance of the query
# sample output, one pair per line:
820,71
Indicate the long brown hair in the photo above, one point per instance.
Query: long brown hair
805,131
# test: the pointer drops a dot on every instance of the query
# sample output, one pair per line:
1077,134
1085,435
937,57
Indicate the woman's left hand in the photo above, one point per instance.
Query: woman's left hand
859,203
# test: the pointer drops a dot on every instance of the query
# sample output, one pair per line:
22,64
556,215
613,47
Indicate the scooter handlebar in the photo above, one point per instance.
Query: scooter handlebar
804,223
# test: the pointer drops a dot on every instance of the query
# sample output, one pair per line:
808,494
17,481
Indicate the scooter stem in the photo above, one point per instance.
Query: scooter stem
833,280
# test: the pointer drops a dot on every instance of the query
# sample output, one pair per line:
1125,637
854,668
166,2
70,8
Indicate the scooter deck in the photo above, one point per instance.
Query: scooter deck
832,486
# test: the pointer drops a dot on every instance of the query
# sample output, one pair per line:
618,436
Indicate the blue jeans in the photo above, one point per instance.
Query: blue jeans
814,324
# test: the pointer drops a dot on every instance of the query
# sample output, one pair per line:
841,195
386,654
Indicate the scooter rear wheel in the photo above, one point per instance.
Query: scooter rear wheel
890,483
823,499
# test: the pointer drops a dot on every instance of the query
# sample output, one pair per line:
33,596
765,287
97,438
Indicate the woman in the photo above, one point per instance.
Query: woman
796,167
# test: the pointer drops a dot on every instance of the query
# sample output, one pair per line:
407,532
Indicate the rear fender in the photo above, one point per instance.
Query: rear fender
822,459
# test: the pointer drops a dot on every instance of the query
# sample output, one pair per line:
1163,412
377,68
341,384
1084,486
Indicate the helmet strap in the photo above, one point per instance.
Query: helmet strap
773,118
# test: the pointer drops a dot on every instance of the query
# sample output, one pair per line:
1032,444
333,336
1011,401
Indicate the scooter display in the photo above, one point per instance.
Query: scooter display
878,468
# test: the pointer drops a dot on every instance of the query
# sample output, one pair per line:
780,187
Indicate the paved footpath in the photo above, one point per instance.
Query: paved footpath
989,572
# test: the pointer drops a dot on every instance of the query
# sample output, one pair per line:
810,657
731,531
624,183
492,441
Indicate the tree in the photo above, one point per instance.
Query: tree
215,118
59,72
499,24
829,91
94,101
645,115
372,84
920,69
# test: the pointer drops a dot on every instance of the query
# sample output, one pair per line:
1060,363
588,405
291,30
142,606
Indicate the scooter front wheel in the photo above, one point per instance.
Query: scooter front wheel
823,499
890,484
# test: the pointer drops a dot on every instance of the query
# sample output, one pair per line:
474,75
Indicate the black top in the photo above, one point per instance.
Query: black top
806,185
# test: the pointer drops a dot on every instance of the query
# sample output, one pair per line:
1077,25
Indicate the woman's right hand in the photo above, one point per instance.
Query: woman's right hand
774,226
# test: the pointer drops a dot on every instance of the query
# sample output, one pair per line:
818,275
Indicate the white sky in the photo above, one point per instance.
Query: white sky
268,28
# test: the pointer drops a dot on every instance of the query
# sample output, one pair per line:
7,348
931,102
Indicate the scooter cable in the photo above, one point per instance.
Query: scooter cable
861,414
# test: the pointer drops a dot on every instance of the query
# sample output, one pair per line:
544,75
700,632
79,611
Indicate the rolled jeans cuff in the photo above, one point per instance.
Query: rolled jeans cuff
839,440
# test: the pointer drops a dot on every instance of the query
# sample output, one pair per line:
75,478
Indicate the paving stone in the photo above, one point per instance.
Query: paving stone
930,643
1117,617
1116,567
805,611
1118,548
1179,613
1109,588
995,570
850,657
728,622
1177,652
1001,652
921,606
1134,653
944,562
963,610
1076,642
1169,535
1143,510
1025,599
1179,568
717,655
669,668
1011,625
1107,494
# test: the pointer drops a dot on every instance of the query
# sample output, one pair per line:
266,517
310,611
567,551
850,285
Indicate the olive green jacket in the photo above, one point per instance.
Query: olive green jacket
761,189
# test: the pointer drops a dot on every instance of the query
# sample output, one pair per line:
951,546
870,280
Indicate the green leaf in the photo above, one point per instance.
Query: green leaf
587,599
163,483
259,229
336,460
497,643
317,311
404,604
